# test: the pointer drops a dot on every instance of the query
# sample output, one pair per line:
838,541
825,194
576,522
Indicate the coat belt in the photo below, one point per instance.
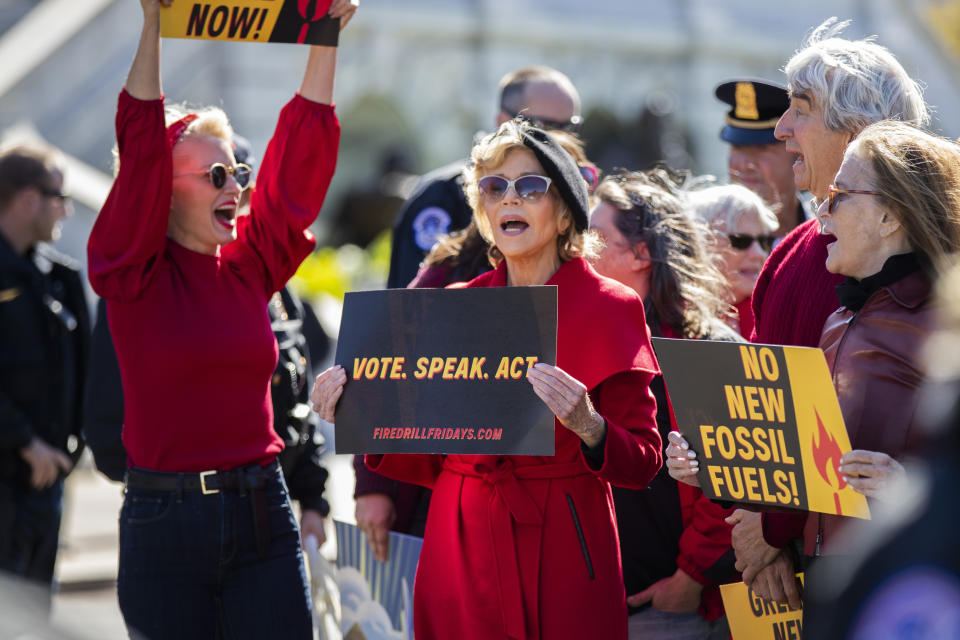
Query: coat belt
516,504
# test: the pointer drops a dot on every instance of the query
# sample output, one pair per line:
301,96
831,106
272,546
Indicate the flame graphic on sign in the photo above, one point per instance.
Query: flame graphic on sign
825,449
311,11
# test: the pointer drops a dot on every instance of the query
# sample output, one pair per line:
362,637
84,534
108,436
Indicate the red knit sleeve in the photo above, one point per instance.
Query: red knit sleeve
632,452
704,550
130,231
294,176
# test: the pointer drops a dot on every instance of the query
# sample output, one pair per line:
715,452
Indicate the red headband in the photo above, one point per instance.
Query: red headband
176,129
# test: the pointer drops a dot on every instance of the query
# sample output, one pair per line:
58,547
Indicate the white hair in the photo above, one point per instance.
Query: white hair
726,204
856,82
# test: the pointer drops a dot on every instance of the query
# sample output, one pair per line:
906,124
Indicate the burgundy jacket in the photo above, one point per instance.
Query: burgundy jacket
873,356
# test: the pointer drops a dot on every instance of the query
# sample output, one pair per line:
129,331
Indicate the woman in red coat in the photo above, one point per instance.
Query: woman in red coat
526,546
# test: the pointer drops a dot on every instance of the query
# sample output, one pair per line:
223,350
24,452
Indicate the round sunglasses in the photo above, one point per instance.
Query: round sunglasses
530,187
217,173
742,241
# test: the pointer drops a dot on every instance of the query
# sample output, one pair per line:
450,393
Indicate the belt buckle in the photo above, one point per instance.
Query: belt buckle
203,483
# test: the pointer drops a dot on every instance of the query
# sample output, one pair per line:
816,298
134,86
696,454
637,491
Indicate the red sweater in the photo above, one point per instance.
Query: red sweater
532,539
792,299
191,331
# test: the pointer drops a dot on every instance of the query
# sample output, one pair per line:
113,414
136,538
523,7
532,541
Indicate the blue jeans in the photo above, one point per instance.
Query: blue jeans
190,568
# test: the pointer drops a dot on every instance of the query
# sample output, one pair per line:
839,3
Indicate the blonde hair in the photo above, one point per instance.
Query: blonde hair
490,153
211,121
918,174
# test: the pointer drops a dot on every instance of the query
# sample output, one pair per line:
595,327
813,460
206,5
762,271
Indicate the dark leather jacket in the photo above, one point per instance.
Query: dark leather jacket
44,339
873,355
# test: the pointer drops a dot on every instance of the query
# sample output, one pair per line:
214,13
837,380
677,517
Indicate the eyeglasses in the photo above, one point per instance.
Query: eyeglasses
530,187
570,126
590,174
218,174
53,193
833,192
742,241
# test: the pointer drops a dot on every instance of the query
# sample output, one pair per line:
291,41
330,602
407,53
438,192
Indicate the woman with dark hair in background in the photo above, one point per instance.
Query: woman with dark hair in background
674,542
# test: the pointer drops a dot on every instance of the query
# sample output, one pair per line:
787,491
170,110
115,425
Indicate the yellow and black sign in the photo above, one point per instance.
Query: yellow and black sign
445,370
753,618
295,21
764,421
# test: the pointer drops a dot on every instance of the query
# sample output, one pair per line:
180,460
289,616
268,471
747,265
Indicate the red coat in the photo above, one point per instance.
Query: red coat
526,546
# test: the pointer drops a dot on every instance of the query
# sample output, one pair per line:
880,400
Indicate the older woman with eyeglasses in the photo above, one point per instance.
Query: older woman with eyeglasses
742,235
837,87
526,546
894,215
208,544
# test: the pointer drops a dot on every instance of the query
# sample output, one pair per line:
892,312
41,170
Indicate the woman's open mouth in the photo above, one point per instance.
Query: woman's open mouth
226,216
513,226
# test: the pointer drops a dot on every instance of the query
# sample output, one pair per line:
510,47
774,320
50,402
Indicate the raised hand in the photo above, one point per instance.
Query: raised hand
343,9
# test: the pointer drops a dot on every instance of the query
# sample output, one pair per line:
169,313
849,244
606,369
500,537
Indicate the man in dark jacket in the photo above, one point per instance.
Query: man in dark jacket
44,329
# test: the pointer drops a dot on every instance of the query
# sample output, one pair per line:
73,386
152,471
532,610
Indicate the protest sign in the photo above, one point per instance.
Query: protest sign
376,598
753,618
296,21
444,371
764,421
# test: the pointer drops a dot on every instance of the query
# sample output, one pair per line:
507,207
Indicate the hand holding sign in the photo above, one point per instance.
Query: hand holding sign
870,472
778,582
682,463
344,10
327,389
568,400
752,551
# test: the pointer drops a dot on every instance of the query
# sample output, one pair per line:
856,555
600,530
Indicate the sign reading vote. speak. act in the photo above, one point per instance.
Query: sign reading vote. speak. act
764,421
295,21
445,371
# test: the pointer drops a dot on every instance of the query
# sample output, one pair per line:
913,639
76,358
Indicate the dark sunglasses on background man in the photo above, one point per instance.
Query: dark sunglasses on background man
570,126
529,187
742,241
218,174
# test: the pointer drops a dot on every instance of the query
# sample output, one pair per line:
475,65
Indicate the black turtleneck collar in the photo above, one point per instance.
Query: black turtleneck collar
853,293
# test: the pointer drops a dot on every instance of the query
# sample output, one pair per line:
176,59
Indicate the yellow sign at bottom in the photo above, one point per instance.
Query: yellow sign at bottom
753,618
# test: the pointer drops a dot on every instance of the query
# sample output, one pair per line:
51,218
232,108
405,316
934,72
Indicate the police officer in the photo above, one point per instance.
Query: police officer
44,327
437,205
757,159
299,336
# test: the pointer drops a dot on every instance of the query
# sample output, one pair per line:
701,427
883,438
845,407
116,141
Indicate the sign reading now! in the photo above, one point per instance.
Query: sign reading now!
445,371
753,618
764,421
295,21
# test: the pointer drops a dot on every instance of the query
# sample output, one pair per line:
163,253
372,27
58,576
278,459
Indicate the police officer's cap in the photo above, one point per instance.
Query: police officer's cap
756,105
